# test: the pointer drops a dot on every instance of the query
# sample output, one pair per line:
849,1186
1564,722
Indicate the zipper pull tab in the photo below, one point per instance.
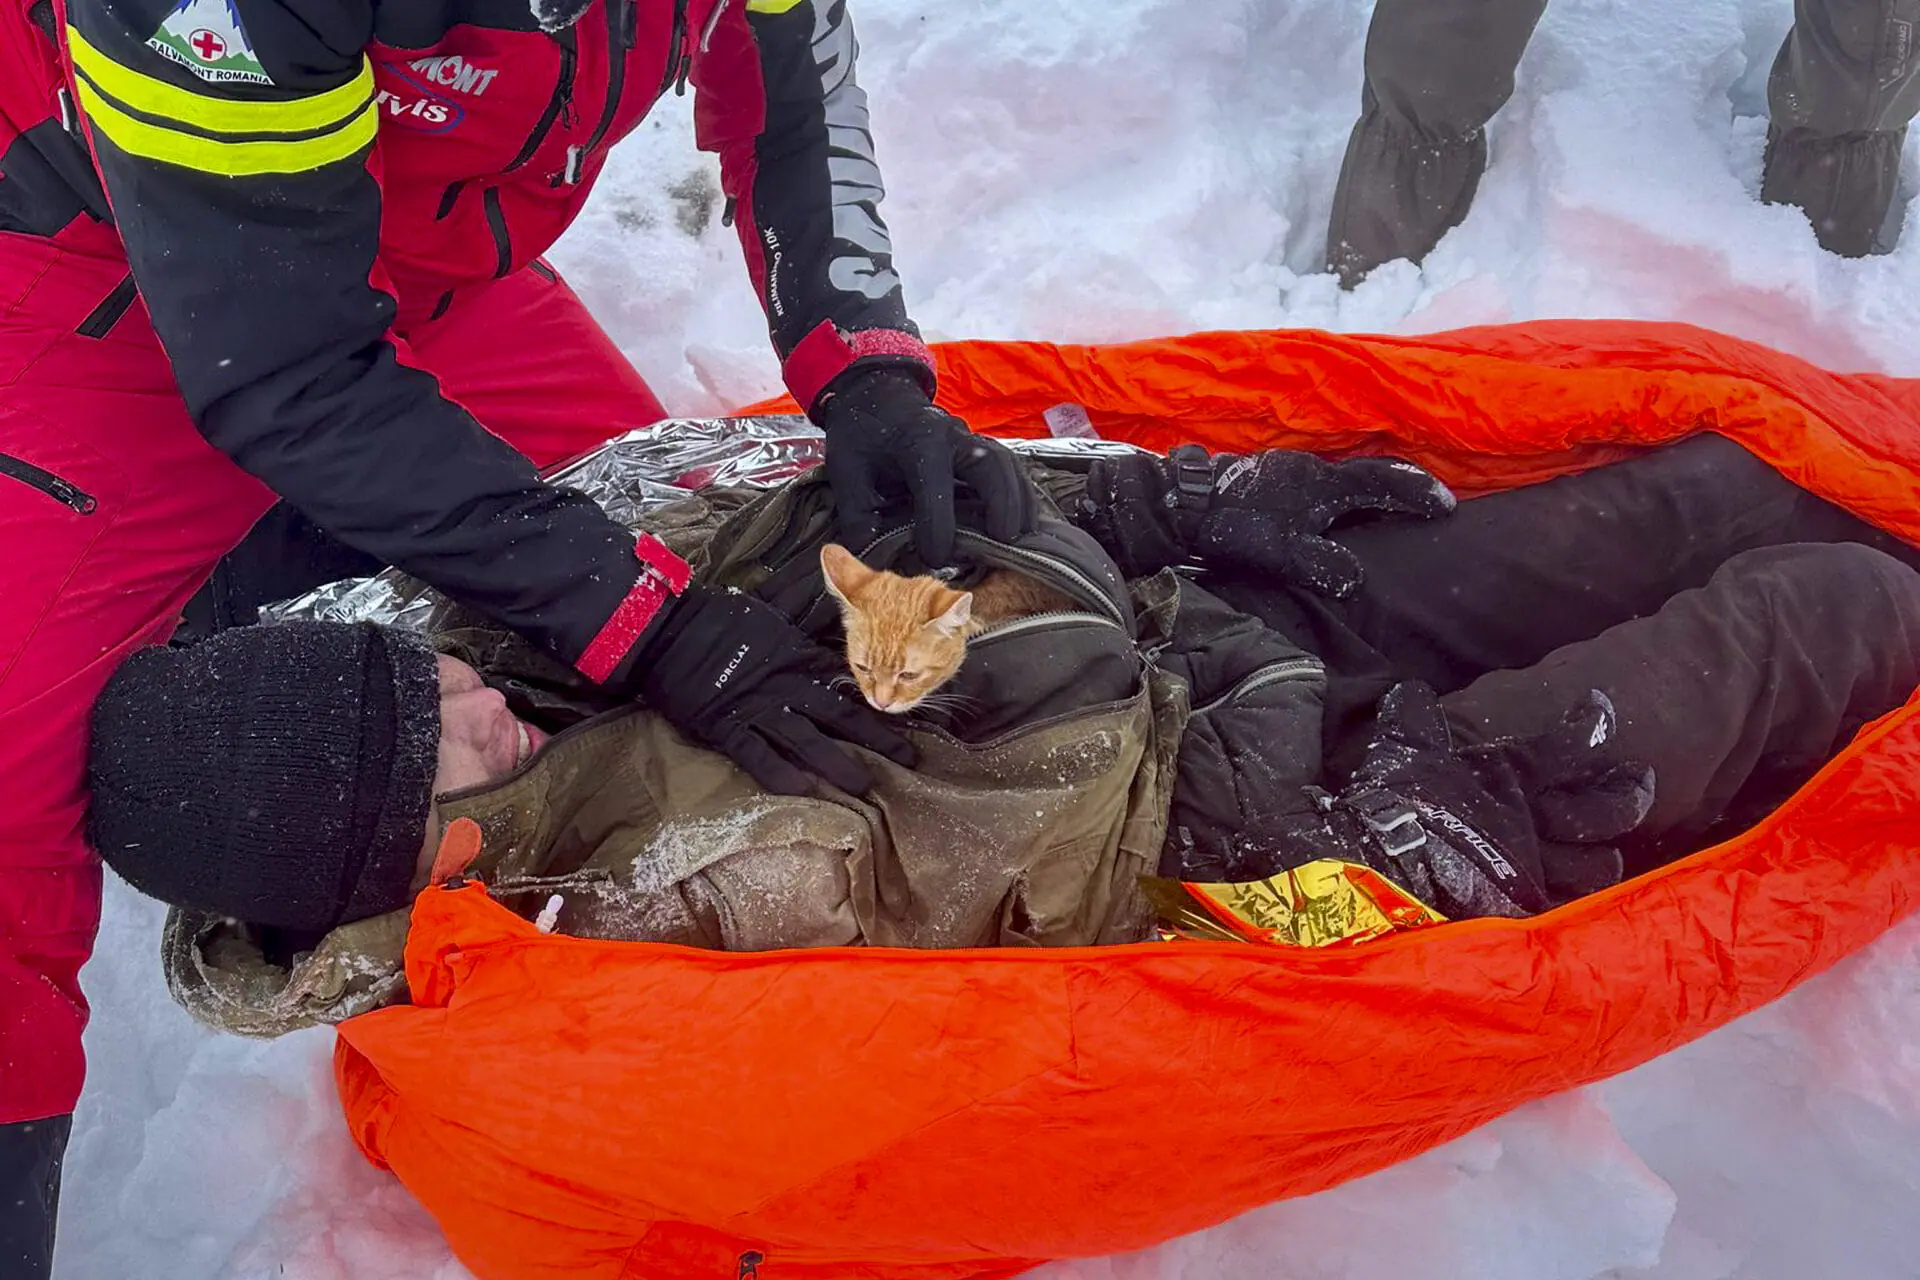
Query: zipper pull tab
629,25
713,21
726,214
84,503
576,155
680,79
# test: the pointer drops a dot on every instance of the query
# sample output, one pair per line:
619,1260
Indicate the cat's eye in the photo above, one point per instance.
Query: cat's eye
862,668
911,677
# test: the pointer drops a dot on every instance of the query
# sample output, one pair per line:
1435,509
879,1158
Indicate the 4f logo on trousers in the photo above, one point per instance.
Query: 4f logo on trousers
750,1265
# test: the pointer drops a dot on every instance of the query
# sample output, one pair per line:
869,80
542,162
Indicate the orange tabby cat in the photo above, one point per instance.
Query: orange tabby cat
908,636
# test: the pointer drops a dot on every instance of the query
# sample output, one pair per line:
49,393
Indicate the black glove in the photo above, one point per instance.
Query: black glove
1264,513
885,440
730,671
1508,828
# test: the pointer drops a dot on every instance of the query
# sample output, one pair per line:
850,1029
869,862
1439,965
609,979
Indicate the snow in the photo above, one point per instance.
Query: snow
1100,171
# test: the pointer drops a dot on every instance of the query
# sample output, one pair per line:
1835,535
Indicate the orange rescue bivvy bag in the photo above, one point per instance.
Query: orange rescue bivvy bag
578,1109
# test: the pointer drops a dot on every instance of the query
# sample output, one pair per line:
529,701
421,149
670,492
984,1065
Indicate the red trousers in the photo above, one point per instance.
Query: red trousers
113,511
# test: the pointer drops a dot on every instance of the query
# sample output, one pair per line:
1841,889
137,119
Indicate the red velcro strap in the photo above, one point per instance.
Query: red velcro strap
654,555
825,353
662,576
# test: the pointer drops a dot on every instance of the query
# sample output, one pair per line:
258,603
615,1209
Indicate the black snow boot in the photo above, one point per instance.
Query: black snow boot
1399,192
1846,186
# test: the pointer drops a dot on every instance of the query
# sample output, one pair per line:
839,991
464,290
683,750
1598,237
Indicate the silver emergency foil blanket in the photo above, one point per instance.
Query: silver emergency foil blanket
629,476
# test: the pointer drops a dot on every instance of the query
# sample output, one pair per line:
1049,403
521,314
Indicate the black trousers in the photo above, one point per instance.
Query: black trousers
1743,628
30,1158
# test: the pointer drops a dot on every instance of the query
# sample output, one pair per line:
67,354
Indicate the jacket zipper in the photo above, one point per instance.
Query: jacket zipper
1042,566
1039,622
713,23
48,483
676,44
100,321
497,224
1287,669
561,99
622,26
449,198
674,75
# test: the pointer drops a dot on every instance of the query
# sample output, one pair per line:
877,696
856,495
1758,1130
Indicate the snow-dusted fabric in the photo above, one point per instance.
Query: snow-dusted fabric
1027,820
893,1115
218,971
280,776
557,15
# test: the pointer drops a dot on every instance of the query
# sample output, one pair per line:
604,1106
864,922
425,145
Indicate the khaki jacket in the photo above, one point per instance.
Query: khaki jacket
1028,821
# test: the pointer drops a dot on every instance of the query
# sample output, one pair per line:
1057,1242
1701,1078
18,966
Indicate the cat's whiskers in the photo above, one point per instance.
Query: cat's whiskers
946,700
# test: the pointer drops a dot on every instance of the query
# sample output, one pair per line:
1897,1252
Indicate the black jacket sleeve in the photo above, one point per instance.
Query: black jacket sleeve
241,177
778,101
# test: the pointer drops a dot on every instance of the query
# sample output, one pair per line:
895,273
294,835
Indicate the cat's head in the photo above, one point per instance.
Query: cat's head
905,636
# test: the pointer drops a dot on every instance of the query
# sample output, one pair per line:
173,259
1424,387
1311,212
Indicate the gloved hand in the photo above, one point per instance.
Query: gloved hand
730,671
1263,513
1507,828
885,438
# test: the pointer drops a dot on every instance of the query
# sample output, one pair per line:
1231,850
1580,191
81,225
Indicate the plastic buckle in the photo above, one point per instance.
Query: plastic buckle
1392,820
1192,476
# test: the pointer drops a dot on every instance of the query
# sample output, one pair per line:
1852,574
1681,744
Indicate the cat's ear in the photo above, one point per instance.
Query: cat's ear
844,573
954,621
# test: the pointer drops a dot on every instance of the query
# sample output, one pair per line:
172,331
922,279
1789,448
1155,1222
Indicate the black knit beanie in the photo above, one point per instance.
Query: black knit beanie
279,775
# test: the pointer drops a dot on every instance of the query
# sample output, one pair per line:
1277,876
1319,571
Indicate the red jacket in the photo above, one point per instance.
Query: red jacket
297,186
299,183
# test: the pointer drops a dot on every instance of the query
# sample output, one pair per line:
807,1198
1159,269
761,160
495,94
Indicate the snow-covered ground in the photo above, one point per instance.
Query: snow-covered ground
1106,169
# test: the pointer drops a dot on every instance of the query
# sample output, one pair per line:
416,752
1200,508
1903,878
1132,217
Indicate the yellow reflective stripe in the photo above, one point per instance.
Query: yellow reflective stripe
770,6
229,159
154,97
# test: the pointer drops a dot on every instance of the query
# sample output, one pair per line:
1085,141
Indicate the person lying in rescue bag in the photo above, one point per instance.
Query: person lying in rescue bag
1485,710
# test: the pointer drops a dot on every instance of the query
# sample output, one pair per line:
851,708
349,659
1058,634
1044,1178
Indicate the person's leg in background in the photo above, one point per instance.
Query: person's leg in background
525,357
1736,692
30,1157
1844,88
113,510
1437,70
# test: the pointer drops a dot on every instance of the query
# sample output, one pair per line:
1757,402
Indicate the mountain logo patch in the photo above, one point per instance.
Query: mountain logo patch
207,38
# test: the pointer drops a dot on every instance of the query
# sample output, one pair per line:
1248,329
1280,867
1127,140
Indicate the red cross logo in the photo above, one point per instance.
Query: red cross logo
208,45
